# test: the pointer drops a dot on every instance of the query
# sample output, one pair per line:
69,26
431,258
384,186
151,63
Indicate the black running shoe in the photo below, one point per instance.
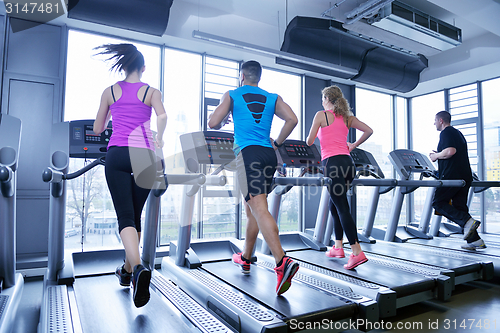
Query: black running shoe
140,283
123,276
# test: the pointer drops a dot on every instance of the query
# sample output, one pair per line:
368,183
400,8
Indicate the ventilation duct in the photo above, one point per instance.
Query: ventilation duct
150,17
377,64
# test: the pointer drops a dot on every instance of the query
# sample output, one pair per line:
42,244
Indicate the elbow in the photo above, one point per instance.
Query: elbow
293,121
97,130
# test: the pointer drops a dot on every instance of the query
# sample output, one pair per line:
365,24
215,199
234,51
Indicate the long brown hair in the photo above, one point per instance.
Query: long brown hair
124,57
341,105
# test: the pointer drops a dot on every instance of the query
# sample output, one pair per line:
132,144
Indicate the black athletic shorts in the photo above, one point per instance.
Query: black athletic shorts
255,170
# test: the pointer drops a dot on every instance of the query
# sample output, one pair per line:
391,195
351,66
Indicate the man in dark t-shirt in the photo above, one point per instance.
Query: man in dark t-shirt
453,163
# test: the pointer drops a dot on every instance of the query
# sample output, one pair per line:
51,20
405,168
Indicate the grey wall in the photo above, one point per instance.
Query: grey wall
32,90
312,104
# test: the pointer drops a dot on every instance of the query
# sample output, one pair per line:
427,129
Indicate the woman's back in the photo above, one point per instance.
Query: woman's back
131,118
333,137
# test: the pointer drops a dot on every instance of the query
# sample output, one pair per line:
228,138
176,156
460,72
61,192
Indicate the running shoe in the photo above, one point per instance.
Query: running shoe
140,283
123,276
479,244
243,264
470,227
355,261
335,253
285,273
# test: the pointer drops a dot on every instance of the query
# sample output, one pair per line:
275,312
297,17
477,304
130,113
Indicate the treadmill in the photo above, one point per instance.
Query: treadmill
407,283
247,303
11,284
394,241
95,302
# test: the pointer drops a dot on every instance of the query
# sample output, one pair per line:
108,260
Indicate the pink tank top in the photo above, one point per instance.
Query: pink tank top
131,119
333,138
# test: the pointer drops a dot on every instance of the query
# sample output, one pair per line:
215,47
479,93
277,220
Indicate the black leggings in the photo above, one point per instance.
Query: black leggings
341,170
128,198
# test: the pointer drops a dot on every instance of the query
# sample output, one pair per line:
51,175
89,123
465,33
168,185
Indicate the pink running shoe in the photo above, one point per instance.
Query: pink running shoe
335,253
355,261
285,273
244,265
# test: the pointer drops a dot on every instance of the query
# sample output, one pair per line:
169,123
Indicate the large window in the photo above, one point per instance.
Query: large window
425,138
491,120
289,87
182,101
374,109
90,217
464,109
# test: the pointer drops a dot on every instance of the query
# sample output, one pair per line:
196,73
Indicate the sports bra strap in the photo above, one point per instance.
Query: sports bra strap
144,98
113,94
327,124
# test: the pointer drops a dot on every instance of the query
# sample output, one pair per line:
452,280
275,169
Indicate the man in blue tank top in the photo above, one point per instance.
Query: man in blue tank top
253,110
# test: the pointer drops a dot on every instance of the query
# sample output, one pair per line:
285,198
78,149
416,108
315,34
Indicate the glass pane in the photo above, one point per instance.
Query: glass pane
401,121
374,109
491,107
86,78
88,75
425,136
289,87
182,100
219,213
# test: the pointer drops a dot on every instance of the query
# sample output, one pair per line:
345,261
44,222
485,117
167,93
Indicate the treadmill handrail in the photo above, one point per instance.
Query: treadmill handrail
374,182
482,185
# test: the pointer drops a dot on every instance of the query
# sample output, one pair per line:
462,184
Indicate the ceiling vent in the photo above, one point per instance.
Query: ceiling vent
413,24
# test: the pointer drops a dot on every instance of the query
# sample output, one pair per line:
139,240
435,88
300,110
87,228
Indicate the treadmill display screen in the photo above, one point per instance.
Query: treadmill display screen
296,154
408,161
84,143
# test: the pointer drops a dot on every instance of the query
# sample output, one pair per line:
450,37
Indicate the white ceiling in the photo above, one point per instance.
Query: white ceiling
263,23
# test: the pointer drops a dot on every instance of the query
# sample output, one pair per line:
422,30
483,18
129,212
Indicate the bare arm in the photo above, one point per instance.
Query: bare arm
161,116
104,114
443,154
361,126
285,112
313,132
220,112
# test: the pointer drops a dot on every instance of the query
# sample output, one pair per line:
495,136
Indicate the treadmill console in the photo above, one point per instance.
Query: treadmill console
207,147
408,161
297,154
84,143
366,165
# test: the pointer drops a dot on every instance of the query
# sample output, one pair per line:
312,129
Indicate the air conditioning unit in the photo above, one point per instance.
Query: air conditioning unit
413,24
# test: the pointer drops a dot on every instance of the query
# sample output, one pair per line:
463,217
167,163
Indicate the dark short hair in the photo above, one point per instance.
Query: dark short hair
445,115
252,70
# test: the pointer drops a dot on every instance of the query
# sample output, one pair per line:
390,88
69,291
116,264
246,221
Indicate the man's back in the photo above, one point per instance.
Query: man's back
458,166
253,112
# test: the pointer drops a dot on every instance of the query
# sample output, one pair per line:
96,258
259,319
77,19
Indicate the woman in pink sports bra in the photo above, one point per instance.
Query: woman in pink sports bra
130,160
332,127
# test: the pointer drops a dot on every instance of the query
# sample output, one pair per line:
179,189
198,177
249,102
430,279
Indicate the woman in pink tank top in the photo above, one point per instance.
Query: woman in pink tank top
332,127
130,160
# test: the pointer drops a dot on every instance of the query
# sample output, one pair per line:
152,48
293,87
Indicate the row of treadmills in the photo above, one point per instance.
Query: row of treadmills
198,289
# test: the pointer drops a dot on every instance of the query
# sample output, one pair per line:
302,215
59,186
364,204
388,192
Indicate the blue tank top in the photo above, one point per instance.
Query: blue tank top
253,112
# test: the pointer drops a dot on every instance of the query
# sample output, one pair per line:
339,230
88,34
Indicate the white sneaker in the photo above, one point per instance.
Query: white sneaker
479,244
470,227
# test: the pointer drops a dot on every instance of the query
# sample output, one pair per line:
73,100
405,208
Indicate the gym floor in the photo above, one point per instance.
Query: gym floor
473,307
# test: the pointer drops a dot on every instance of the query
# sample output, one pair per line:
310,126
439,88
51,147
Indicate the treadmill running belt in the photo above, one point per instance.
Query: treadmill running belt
299,301
105,306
